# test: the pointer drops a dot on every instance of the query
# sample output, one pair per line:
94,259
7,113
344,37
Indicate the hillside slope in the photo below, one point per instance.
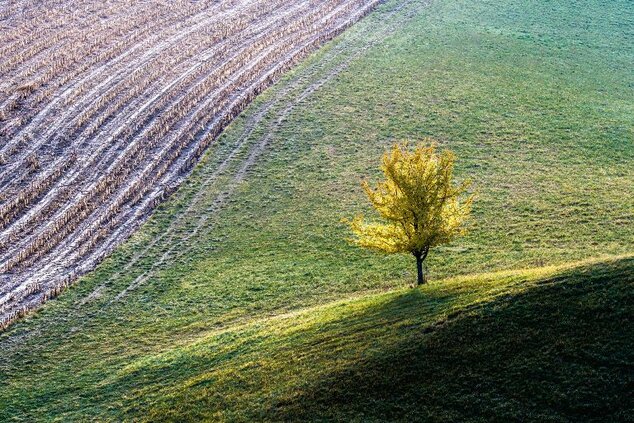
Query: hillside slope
551,344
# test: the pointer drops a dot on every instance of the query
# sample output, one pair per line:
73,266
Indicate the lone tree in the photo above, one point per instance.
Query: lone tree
419,202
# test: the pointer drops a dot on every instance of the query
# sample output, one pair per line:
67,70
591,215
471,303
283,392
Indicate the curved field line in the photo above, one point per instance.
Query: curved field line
44,252
168,145
123,155
254,153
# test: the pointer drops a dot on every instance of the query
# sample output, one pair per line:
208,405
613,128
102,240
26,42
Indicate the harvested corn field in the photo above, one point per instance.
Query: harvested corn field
106,106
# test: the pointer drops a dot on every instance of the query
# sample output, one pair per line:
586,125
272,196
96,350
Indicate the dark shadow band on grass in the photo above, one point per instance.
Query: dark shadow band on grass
561,351
491,348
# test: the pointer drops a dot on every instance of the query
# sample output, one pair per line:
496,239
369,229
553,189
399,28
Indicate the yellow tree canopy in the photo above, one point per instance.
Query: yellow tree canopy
418,201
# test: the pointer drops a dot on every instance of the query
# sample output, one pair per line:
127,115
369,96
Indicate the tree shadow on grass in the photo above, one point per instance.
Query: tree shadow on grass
560,351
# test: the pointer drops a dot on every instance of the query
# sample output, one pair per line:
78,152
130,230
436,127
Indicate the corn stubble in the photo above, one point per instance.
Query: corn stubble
106,106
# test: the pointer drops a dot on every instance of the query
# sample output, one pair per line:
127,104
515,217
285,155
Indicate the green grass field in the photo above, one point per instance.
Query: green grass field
221,306
550,344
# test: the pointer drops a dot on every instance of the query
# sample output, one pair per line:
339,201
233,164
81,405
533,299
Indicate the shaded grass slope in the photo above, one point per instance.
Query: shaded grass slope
550,344
544,345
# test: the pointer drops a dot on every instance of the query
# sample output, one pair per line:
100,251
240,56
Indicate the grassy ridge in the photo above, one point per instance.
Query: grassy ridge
545,344
549,344
536,100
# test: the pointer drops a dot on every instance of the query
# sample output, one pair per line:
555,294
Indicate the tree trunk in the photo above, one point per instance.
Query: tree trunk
420,258
419,267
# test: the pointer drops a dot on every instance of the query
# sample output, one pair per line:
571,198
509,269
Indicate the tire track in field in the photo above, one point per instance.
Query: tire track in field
80,224
112,137
124,124
104,140
256,151
61,248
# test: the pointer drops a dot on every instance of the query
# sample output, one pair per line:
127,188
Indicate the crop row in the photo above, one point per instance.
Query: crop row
112,145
